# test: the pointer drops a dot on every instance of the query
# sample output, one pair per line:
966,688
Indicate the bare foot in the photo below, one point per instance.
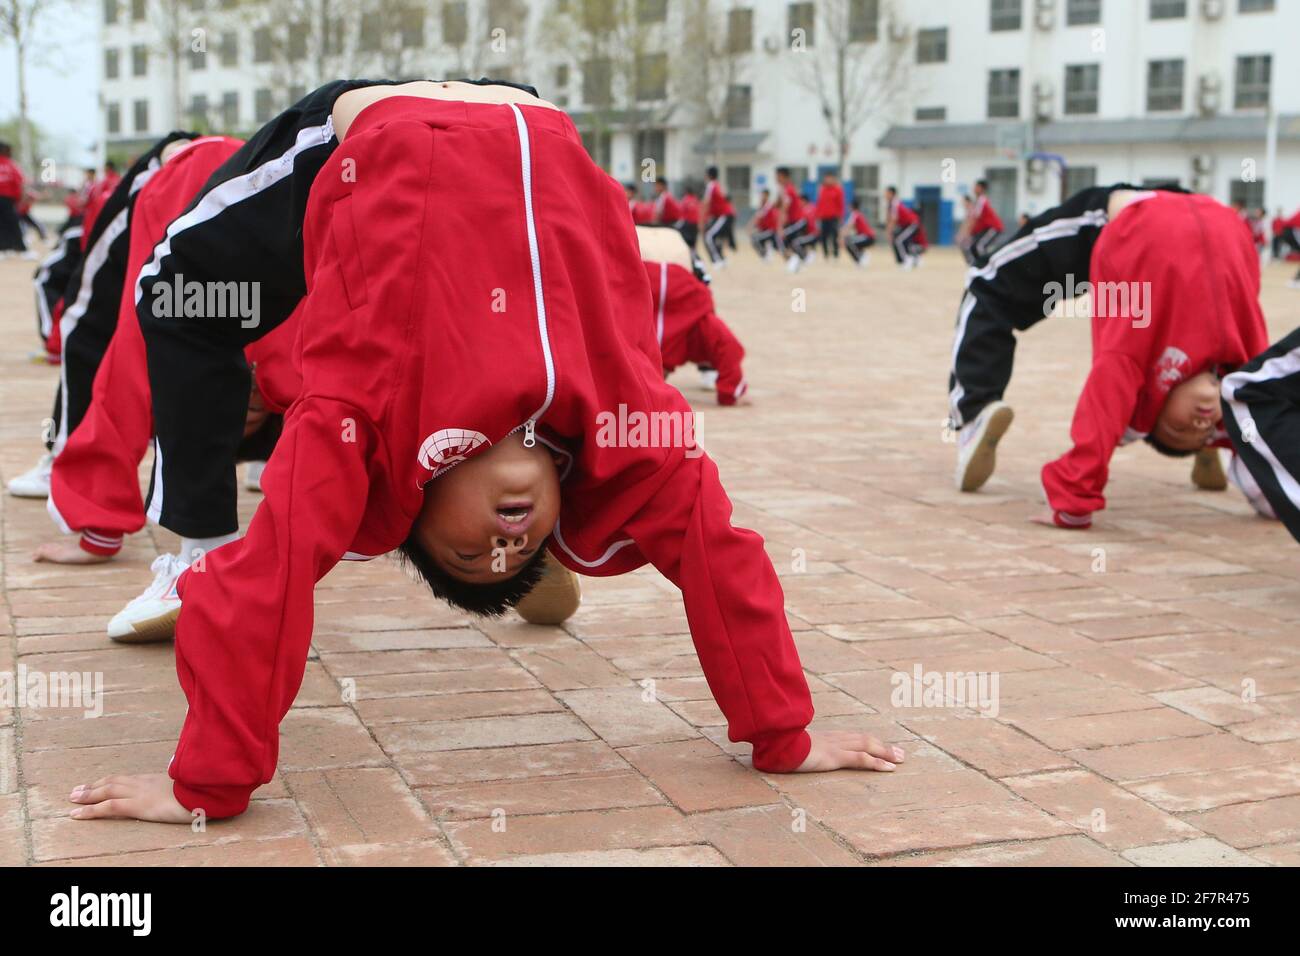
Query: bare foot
144,796
67,552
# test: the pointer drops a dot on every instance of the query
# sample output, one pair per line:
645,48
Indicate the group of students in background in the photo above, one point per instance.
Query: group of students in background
18,196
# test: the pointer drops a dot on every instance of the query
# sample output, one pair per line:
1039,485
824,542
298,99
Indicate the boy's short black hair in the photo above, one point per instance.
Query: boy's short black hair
783,170
712,172
855,203
982,183
663,181
485,600
892,189
1169,450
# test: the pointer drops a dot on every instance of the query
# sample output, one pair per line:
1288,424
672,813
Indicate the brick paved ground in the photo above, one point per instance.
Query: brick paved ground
1123,735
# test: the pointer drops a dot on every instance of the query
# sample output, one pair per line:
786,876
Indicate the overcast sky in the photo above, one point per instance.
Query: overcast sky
62,80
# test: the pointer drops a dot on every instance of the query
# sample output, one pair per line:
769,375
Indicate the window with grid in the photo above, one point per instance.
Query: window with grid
1080,13
455,23
1164,85
410,23
198,110
597,85
140,111
1004,94
370,33
504,15
139,60
740,30
866,189
229,49
263,105
801,16
932,45
111,64
298,33
931,114
230,111
651,77
198,59
1255,6
651,11
864,21
262,45
1005,14
113,118
1168,9
1254,74
1250,195
138,12
110,12
1079,178
1082,86
740,107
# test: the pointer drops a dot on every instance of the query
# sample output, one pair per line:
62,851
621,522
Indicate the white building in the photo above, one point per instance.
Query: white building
955,90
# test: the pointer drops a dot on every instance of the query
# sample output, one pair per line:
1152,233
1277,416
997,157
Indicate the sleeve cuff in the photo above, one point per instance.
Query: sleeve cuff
782,753
1064,519
215,803
96,543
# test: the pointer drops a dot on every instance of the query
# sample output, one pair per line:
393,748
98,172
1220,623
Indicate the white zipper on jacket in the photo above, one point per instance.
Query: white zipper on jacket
526,164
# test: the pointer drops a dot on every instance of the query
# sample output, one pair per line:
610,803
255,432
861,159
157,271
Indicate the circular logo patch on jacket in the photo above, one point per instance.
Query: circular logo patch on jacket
448,447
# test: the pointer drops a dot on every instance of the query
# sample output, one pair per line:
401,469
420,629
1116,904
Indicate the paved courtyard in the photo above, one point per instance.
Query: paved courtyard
1148,671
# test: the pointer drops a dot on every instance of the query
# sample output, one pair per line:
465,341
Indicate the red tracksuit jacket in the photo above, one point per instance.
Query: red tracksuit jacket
688,330
1195,266
408,369
94,485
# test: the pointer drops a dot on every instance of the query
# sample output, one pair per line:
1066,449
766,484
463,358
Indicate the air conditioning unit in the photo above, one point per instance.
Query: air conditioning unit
1208,94
771,45
1212,9
1045,14
1044,100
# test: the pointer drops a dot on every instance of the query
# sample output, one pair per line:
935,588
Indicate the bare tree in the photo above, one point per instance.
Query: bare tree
173,22
855,66
18,22
711,64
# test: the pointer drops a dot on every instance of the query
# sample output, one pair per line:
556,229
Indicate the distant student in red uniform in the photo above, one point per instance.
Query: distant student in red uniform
903,227
11,195
1175,289
794,220
981,227
721,218
1291,243
643,213
690,210
829,211
765,230
668,211
858,235
472,444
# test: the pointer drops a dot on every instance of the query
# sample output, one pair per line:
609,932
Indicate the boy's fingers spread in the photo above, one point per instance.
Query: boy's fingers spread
99,794
104,810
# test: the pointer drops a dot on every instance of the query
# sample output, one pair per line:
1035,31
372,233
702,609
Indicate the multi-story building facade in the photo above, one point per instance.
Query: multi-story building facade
1037,96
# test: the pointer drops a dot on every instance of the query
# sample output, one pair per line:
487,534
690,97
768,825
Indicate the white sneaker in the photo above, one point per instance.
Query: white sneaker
34,483
907,265
708,379
811,257
1240,476
253,475
793,265
1293,284
977,445
152,616
916,262
862,261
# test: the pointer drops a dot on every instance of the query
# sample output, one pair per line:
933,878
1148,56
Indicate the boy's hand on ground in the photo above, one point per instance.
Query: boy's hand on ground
145,796
1049,518
843,750
67,552
1045,518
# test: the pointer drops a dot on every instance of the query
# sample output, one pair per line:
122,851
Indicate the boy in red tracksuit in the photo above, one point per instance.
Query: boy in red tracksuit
793,219
858,234
94,486
668,211
690,226
1175,285
829,210
721,216
430,423
981,228
765,231
903,226
643,213
11,196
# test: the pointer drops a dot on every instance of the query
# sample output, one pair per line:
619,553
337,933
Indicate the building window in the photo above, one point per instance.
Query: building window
738,180
334,36
801,16
197,6
138,10
198,111
230,111
1164,85
1254,74
1078,178
110,12
864,21
139,60
740,107
652,144
140,114
229,49
1079,13
1005,14
411,21
866,189
561,80
1249,194
1255,6
1168,9
113,118
111,64
931,114
263,106
504,15
198,59
297,93
651,11
599,146
596,82
262,45
1004,94
455,23
740,30
297,48
1082,85
932,45
651,76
